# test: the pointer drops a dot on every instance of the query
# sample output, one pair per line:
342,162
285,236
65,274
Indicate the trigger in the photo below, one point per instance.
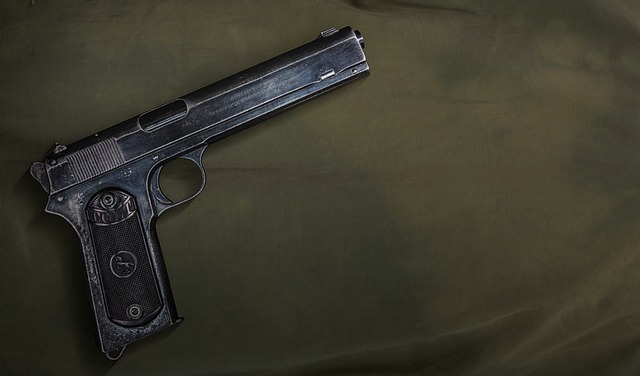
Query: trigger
196,157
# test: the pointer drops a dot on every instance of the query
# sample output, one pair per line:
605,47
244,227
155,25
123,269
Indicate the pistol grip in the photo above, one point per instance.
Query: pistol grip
122,254
130,288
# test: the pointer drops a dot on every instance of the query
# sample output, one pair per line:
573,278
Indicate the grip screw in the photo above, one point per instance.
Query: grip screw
108,200
134,311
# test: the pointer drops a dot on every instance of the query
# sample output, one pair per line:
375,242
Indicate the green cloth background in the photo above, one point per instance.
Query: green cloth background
470,208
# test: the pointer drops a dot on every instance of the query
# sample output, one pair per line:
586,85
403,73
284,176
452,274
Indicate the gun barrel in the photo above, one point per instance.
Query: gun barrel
215,111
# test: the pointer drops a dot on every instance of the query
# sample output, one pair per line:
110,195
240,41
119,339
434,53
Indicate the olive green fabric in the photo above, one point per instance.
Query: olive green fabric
470,208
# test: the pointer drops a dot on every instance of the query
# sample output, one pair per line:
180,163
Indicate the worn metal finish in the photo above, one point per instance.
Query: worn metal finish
107,185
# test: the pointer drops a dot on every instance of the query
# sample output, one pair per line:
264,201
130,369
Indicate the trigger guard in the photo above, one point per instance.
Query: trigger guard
162,202
156,192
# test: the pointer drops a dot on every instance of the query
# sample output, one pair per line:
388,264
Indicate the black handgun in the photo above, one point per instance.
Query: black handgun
107,185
